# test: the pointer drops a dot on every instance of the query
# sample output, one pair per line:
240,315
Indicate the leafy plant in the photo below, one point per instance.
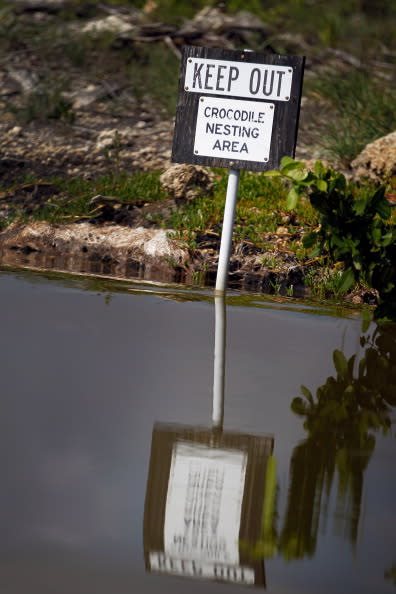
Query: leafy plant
341,421
354,227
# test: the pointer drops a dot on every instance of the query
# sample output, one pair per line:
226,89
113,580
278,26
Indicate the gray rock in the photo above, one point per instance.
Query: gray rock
377,161
186,182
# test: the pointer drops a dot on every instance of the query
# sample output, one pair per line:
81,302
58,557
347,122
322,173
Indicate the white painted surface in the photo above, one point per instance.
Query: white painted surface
234,129
238,79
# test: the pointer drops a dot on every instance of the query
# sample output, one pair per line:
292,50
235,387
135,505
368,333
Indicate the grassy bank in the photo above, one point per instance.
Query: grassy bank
349,100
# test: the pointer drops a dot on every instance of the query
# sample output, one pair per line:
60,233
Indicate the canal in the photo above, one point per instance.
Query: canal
106,408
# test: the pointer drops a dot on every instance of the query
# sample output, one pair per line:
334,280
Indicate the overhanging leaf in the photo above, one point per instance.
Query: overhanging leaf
321,184
347,280
272,173
292,199
310,239
340,363
297,174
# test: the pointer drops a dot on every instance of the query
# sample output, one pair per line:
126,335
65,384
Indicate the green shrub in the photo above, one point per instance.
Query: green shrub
355,228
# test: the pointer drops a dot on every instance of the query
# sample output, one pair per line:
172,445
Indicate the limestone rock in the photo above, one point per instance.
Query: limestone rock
113,138
186,182
112,24
76,238
378,160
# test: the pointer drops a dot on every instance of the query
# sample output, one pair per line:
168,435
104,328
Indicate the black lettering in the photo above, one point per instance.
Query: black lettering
216,145
219,78
208,75
234,146
227,129
218,128
226,145
233,75
245,132
254,85
255,133
206,110
265,90
260,117
280,73
210,128
244,148
197,74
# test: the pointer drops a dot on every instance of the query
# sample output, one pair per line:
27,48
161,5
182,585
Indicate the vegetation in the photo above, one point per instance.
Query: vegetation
364,109
342,421
351,226
355,227
361,99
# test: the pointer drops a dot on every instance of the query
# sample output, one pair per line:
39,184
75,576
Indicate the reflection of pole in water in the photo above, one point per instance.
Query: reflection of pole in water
219,362
221,283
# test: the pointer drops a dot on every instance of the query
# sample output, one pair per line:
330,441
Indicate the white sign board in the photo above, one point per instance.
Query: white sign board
204,503
238,79
234,129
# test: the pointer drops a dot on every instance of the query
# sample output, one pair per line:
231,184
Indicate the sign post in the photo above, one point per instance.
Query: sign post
236,109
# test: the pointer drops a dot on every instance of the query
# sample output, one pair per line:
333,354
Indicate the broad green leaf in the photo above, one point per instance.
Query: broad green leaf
357,263
292,167
318,168
307,393
366,320
297,174
310,239
298,406
360,206
272,173
340,363
387,238
384,209
286,161
347,280
321,184
292,199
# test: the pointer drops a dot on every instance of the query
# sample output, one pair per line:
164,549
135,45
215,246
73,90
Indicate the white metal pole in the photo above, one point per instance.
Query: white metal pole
220,304
219,362
226,235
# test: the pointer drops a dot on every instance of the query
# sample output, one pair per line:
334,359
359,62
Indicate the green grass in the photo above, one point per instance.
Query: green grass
260,211
364,108
71,202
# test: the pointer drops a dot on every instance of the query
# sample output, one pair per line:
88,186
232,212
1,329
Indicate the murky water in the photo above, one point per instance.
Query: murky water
89,368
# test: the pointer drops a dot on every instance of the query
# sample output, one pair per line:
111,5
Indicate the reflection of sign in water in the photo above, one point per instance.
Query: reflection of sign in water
202,569
204,496
204,502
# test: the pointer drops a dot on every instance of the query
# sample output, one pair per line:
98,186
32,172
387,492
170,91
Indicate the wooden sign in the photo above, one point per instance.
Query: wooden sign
237,109
204,496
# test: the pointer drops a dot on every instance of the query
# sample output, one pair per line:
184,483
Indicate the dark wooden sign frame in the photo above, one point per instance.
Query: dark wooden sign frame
286,113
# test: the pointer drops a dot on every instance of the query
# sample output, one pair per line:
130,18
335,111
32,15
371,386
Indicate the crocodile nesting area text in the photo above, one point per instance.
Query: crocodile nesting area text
231,128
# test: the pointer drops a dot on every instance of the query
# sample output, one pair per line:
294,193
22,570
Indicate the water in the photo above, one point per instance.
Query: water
89,367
